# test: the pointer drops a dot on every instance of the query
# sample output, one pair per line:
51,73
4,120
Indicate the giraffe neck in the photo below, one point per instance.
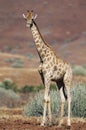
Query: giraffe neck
42,48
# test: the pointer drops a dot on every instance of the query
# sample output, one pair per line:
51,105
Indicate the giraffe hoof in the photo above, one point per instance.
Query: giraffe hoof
59,126
42,124
61,123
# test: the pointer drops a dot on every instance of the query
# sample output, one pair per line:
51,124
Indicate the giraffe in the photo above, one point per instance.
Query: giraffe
51,68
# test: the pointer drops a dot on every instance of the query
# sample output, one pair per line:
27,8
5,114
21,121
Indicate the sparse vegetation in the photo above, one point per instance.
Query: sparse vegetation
29,56
79,100
27,89
78,92
84,66
8,98
79,70
35,107
8,48
9,84
15,62
18,64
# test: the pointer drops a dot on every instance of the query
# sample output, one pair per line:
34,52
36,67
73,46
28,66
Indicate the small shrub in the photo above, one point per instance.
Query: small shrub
27,89
8,93
79,100
53,87
9,98
8,48
79,70
78,92
41,87
18,64
9,60
84,66
29,56
35,107
38,88
9,84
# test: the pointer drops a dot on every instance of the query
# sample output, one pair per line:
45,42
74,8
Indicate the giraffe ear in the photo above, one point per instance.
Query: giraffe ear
24,16
35,16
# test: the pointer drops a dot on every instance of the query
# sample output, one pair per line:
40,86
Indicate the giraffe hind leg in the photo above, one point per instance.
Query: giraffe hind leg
67,82
63,95
69,103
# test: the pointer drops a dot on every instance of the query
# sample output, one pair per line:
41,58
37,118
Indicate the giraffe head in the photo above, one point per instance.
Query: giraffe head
29,18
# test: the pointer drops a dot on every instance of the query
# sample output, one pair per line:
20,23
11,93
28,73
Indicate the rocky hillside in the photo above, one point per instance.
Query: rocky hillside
61,22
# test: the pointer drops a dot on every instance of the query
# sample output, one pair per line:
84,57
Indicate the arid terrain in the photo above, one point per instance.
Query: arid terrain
13,119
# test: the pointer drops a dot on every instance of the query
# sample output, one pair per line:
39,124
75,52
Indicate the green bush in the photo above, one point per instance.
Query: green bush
9,84
79,70
27,89
79,100
35,107
38,88
9,98
53,87
84,66
78,92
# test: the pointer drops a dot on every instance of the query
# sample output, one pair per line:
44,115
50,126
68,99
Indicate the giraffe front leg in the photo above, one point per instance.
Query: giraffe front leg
44,113
46,103
69,107
49,112
67,85
62,106
67,82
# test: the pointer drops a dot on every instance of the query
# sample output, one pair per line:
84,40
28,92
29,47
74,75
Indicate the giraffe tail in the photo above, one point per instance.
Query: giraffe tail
64,92
60,84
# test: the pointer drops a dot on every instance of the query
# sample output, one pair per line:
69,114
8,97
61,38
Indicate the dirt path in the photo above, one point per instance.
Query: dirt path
12,119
